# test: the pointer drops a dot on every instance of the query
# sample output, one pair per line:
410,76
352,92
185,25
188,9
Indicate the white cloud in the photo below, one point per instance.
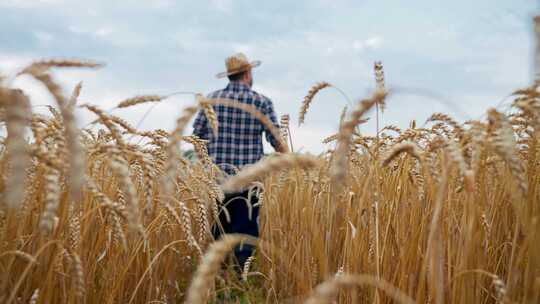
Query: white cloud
309,138
75,29
104,31
358,45
372,43
161,3
43,37
11,64
222,5
159,46
100,32
28,3
242,48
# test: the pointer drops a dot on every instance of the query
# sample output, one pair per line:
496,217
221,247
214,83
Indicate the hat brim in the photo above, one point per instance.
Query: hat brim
251,65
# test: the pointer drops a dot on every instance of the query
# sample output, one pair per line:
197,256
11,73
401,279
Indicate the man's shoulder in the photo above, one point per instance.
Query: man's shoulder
261,97
248,95
215,94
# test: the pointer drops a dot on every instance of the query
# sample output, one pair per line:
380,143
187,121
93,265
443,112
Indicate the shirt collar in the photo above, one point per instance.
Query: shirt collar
237,86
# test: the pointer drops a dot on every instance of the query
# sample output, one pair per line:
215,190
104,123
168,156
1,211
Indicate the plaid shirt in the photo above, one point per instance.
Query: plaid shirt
239,140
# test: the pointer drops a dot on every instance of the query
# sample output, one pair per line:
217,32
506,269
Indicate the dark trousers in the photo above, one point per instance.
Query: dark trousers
240,221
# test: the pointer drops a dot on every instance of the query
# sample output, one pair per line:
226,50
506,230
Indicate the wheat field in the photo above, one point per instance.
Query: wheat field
441,212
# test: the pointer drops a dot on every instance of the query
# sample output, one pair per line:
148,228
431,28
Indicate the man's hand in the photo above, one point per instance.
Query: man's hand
281,148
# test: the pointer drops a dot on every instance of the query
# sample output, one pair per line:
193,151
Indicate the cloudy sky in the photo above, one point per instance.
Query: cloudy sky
458,57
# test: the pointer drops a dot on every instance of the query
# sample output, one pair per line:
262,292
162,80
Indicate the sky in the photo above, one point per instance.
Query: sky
458,57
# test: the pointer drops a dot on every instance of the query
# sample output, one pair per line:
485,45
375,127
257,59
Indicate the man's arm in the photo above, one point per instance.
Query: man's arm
200,126
268,111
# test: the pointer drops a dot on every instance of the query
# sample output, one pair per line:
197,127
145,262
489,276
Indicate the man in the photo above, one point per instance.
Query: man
238,143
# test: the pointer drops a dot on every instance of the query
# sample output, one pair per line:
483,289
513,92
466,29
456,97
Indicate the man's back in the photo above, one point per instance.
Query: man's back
238,143
239,140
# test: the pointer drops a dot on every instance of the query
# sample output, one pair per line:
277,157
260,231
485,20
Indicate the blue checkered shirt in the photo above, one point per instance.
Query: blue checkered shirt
239,140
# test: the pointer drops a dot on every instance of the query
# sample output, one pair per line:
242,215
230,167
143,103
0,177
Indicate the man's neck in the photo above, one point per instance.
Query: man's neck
240,82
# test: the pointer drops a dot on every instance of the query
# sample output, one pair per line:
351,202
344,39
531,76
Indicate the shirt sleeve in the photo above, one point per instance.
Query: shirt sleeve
268,111
200,126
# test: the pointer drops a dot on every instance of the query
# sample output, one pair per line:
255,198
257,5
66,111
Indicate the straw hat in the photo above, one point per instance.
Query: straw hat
238,63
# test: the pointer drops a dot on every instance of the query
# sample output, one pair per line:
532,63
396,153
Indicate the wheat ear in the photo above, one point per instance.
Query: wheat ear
121,170
210,264
74,96
392,128
327,291
265,167
42,66
76,157
209,112
247,267
200,148
404,147
106,120
309,98
52,200
537,51
139,99
505,146
35,297
379,80
338,170
77,273
254,112
448,120
284,127
330,138
184,221
17,108
456,156
173,152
